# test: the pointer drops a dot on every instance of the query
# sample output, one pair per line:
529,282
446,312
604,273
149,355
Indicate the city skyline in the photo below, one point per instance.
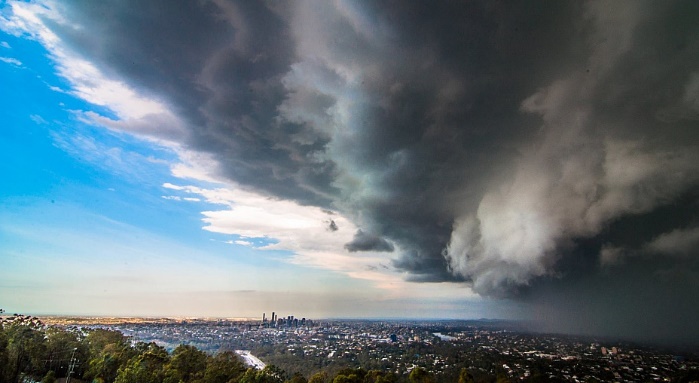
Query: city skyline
534,161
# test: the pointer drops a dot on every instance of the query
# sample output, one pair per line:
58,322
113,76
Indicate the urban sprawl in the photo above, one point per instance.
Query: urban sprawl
485,348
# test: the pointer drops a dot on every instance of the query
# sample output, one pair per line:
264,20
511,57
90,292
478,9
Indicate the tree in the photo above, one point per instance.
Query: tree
465,376
61,345
297,378
50,377
351,378
4,358
350,375
376,376
419,375
270,374
108,350
187,363
319,377
98,339
223,368
25,347
146,367
387,378
274,372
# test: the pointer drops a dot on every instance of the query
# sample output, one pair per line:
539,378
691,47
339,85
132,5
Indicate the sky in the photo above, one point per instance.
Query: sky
535,161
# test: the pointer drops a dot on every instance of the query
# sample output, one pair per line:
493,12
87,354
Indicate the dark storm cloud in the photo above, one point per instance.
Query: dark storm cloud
368,242
332,226
501,145
649,300
220,66
642,290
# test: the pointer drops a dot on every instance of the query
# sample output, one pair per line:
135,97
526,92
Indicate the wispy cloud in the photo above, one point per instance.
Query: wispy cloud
38,119
105,152
11,61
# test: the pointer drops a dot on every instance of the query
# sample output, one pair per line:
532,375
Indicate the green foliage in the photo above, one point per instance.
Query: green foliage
420,375
98,339
350,375
297,378
25,348
375,376
270,374
109,350
30,350
61,345
502,378
146,367
4,357
276,373
465,376
293,361
50,377
186,365
319,377
223,367
352,378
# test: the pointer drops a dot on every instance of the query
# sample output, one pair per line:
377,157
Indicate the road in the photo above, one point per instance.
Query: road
250,359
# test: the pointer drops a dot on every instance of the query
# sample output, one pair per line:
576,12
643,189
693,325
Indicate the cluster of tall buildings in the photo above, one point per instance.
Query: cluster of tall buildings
289,321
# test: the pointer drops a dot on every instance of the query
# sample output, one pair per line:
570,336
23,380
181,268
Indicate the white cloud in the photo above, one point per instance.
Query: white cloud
137,113
11,61
163,128
304,231
38,119
4,44
178,198
196,166
57,89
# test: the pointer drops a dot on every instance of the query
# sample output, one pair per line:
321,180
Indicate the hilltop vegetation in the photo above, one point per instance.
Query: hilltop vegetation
31,351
